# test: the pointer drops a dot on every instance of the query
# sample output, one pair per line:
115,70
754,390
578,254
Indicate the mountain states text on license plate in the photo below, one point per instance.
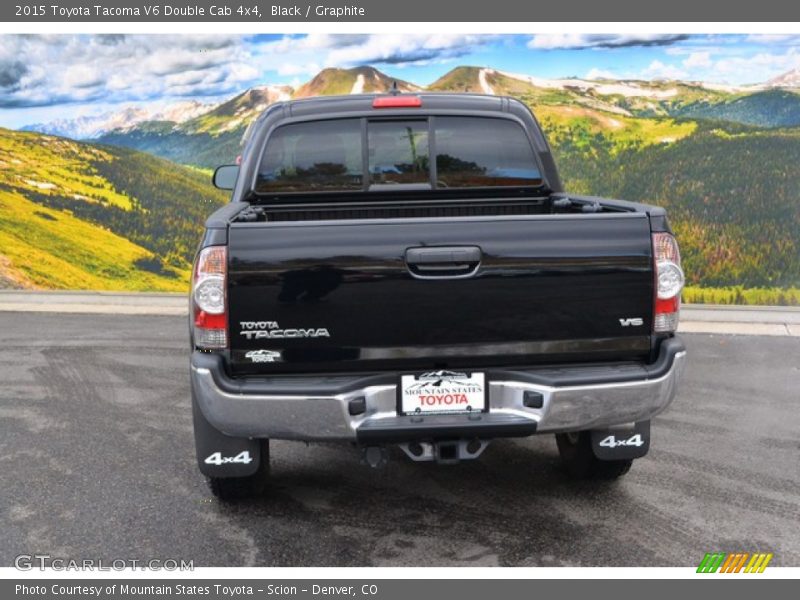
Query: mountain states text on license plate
442,392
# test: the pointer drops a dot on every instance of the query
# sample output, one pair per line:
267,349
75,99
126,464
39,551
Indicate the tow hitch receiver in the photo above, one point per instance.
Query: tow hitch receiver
622,442
445,452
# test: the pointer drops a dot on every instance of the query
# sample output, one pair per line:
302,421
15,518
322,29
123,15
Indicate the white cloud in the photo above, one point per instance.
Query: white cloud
741,63
576,41
316,41
242,72
774,39
44,70
707,66
764,64
49,70
290,69
353,50
698,60
81,76
403,49
660,70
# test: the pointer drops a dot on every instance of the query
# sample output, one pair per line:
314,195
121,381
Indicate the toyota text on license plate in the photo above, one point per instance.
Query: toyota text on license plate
442,392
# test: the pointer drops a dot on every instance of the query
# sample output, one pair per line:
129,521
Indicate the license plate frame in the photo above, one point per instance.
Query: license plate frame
440,385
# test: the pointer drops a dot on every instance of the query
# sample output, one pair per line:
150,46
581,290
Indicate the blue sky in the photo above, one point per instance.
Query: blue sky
48,77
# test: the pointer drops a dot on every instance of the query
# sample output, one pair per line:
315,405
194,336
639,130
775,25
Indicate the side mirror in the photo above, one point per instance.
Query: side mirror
225,177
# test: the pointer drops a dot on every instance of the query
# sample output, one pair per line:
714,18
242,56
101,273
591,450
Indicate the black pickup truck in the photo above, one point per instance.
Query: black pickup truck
407,270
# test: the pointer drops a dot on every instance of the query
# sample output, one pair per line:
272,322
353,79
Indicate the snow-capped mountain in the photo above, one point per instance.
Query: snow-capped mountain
236,112
790,79
629,89
182,111
93,126
208,135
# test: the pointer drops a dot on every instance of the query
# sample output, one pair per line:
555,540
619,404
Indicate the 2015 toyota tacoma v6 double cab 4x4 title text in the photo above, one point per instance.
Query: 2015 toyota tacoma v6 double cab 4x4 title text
407,269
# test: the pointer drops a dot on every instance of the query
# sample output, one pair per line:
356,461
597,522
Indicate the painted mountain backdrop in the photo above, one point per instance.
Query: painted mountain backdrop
722,159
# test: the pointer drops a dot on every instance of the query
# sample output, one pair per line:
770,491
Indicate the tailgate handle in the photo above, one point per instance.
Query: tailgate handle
443,262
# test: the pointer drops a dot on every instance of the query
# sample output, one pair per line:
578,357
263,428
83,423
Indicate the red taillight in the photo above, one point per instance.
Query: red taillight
209,301
397,102
669,282
208,321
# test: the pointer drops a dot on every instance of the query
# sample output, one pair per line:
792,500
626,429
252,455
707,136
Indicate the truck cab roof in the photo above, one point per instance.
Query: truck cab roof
429,101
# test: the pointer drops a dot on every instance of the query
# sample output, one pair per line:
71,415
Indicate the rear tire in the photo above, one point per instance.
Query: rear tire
232,489
580,462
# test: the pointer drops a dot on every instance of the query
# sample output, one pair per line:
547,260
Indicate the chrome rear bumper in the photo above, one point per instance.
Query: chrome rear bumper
521,402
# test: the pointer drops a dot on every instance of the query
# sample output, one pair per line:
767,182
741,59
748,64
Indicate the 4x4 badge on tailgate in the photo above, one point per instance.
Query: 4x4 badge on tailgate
262,356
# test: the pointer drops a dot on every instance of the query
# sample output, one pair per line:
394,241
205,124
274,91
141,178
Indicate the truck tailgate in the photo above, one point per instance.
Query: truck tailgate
417,294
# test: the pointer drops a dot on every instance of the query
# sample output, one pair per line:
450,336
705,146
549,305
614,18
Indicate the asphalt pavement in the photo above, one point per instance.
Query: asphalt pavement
97,461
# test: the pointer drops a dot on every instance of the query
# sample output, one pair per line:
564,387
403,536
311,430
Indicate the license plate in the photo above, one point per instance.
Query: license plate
442,392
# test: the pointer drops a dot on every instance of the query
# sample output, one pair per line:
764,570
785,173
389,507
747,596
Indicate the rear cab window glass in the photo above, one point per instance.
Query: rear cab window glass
398,152
482,152
330,156
318,156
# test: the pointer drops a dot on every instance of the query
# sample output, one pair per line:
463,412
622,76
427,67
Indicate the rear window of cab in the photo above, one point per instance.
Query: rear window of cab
428,153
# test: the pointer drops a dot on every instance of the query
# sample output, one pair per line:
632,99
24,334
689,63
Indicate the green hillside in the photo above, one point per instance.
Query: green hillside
771,108
460,79
196,149
733,197
82,216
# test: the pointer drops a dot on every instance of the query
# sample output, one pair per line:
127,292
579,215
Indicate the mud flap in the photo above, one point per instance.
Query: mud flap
623,442
220,455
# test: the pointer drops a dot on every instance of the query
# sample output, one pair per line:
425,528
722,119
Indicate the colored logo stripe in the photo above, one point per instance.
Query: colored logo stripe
758,563
734,562
711,562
